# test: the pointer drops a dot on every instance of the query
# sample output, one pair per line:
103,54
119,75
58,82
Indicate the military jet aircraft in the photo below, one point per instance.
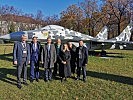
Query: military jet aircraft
99,42
54,31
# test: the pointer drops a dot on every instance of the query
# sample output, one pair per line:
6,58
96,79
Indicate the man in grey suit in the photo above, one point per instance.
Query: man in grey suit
48,58
21,58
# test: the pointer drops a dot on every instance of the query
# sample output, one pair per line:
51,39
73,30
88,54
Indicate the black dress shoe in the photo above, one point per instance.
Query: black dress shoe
25,83
46,80
65,79
78,78
37,80
84,80
62,79
31,80
19,86
50,79
54,75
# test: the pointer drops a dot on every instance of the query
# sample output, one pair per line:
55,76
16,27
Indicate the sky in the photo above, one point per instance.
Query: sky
48,7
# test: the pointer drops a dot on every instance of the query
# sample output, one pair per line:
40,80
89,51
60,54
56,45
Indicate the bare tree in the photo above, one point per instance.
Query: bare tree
39,15
72,17
91,12
52,20
117,9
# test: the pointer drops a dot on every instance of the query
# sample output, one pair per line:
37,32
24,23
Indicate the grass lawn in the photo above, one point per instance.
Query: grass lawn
109,79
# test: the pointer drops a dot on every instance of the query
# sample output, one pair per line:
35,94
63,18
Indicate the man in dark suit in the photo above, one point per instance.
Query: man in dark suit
59,48
21,58
35,58
82,60
48,58
73,62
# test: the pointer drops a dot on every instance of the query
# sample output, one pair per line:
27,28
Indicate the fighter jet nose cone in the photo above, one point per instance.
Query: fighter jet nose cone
7,36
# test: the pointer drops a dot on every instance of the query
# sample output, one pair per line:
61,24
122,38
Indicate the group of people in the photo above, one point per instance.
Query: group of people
57,59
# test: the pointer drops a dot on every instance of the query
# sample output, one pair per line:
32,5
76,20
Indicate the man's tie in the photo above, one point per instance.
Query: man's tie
48,51
34,47
24,45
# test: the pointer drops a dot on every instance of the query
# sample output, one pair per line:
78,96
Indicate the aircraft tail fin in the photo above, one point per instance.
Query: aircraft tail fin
103,34
126,34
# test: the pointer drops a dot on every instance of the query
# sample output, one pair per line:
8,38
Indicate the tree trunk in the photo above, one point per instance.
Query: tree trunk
89,29
119,28
93,32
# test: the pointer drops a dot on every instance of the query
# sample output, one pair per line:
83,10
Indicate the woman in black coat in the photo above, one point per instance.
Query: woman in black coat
65,57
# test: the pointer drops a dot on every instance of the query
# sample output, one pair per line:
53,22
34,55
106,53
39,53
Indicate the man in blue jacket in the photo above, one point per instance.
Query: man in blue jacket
35,51
21,58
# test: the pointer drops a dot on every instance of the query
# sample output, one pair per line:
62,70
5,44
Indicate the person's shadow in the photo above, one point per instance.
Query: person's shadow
4,75
6,57
12,72
111,77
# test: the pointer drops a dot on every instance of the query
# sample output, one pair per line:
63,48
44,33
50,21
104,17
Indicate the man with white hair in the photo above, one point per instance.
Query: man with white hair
21,58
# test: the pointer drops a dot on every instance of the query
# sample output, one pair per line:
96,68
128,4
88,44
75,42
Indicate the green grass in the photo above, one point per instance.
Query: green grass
109,79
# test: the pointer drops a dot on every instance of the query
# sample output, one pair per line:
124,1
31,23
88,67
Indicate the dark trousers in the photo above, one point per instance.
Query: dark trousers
73,67
83,71
48,72
56,66
19,71
67,71
34,70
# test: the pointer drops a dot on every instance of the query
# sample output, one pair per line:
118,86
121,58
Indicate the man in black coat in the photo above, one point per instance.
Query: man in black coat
82,60
72,49
59,48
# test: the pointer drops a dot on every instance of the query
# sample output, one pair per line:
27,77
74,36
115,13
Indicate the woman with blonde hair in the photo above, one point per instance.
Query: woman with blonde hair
65,57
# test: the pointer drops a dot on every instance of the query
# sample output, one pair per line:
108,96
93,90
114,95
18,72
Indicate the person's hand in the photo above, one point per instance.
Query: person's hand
64,62
29,62
85,64
15,62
